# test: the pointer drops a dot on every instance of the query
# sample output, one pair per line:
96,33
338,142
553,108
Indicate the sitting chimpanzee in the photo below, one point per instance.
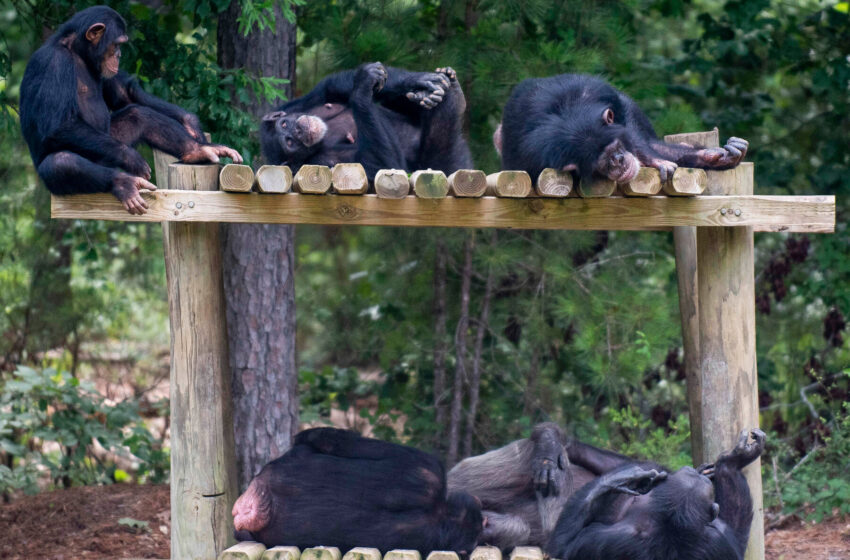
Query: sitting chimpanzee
81,115
582,502
383,118
335,488
580,123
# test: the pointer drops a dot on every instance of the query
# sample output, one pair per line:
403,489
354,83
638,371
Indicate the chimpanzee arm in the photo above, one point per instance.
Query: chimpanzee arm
76,135
442,145
596,460
377,144
599,541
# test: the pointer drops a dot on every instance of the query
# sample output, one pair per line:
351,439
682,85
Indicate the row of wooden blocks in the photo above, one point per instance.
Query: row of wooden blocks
350,178
257,551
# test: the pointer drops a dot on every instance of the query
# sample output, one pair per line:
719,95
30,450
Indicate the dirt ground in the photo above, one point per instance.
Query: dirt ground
82,523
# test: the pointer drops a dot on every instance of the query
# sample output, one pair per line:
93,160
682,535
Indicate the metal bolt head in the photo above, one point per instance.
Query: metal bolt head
737,211
191,204
179,205
722,211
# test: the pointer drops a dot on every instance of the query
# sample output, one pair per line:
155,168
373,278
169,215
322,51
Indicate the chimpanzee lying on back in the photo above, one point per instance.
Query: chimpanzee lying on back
335,488
580,123
384,118
581,502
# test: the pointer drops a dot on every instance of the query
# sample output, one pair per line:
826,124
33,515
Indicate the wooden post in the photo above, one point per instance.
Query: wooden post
467,182
686,181
510,184
392,183
235,177
554,183
429,184
312,179
349,178
600,188
728,399
646,183
203,464
274,179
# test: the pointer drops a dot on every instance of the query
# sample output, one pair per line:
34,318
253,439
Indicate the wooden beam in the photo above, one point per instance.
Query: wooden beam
686,181
554,183
235,177
510,184
274,179
468,182
349,178
429,184
646,183
600,188
313,179
203,463
813,214
392,183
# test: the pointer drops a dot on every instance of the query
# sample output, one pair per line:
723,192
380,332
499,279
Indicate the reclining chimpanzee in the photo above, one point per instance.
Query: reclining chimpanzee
580,123
383,118
335,488
580,502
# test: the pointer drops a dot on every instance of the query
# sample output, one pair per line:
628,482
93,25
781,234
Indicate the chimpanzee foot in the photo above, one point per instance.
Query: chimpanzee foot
126,189
634,480
372,75
429,88
744,452
726,157
211,153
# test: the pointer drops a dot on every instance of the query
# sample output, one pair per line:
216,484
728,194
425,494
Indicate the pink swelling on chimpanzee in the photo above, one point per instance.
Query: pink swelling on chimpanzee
252,511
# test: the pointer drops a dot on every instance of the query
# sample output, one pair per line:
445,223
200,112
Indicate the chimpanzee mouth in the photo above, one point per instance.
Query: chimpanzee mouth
630,170
310,130
112,65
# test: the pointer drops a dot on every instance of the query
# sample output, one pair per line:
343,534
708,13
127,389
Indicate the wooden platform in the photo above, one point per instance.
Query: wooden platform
814,214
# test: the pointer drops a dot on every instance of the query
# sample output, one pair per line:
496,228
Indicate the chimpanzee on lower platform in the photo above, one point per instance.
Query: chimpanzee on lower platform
381,117
579,123
81,115
336,488
581,502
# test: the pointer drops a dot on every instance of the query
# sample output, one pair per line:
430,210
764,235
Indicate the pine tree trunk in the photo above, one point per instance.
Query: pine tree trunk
460,350
259,283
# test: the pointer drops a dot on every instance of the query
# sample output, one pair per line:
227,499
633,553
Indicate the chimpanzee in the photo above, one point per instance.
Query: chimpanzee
81,115
382,117
336,488
581,502
579,123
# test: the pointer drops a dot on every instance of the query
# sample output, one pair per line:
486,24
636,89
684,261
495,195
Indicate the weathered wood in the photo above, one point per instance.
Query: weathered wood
599,188
468,182
646,183
509,184
392,183
526,553
349,178
236,177
247,550
554,183
321,553
282,553
161,161
727,340
486,553
403,555
813,214
443,555
686,181
429,184
274,179
203,474
312,179
707,139
362,553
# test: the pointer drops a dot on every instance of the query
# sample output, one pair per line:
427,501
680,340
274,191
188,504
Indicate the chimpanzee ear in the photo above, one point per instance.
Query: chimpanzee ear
95,33
608,116
570,167
274,115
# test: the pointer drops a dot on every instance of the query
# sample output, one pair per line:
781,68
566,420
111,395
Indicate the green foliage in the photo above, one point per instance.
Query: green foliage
49,419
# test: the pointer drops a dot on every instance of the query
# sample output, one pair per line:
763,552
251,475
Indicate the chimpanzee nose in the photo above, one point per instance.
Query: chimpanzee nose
618,157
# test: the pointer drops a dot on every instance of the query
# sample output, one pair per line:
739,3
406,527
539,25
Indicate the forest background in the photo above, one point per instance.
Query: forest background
581,328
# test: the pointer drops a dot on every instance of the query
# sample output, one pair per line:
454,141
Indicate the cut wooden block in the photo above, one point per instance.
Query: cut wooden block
429,184
443,555
509,184
707,139
312,179
599,188
646,183
349,178
392,183
247,550
468,182
486,553
193,177
737,181
362,553
236,178
321,552
554,183
686,181
403,555
282,553
274,179
527,553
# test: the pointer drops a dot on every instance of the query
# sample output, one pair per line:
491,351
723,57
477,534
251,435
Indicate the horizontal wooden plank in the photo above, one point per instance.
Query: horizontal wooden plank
815,214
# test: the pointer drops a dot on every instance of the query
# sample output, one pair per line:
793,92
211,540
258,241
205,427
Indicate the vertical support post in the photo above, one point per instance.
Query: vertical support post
203,465
728,390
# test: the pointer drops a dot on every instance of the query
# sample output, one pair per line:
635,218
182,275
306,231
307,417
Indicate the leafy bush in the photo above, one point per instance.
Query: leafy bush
48,422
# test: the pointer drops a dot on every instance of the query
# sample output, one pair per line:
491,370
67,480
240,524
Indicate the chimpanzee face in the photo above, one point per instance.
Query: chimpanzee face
107,59
615,161
298,136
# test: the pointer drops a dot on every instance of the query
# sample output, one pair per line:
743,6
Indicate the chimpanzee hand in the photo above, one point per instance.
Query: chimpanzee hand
126,189
192,124
134,164
742,454
428,89
549,474
726,157
370,77
210,153
633,480
665,168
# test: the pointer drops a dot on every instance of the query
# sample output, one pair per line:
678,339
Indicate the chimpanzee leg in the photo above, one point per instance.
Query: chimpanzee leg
598,461
67,173
731,491
442,146
378,146
136,123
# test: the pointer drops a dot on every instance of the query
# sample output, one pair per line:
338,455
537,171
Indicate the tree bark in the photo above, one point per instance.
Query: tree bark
440,337
460,350
259,283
